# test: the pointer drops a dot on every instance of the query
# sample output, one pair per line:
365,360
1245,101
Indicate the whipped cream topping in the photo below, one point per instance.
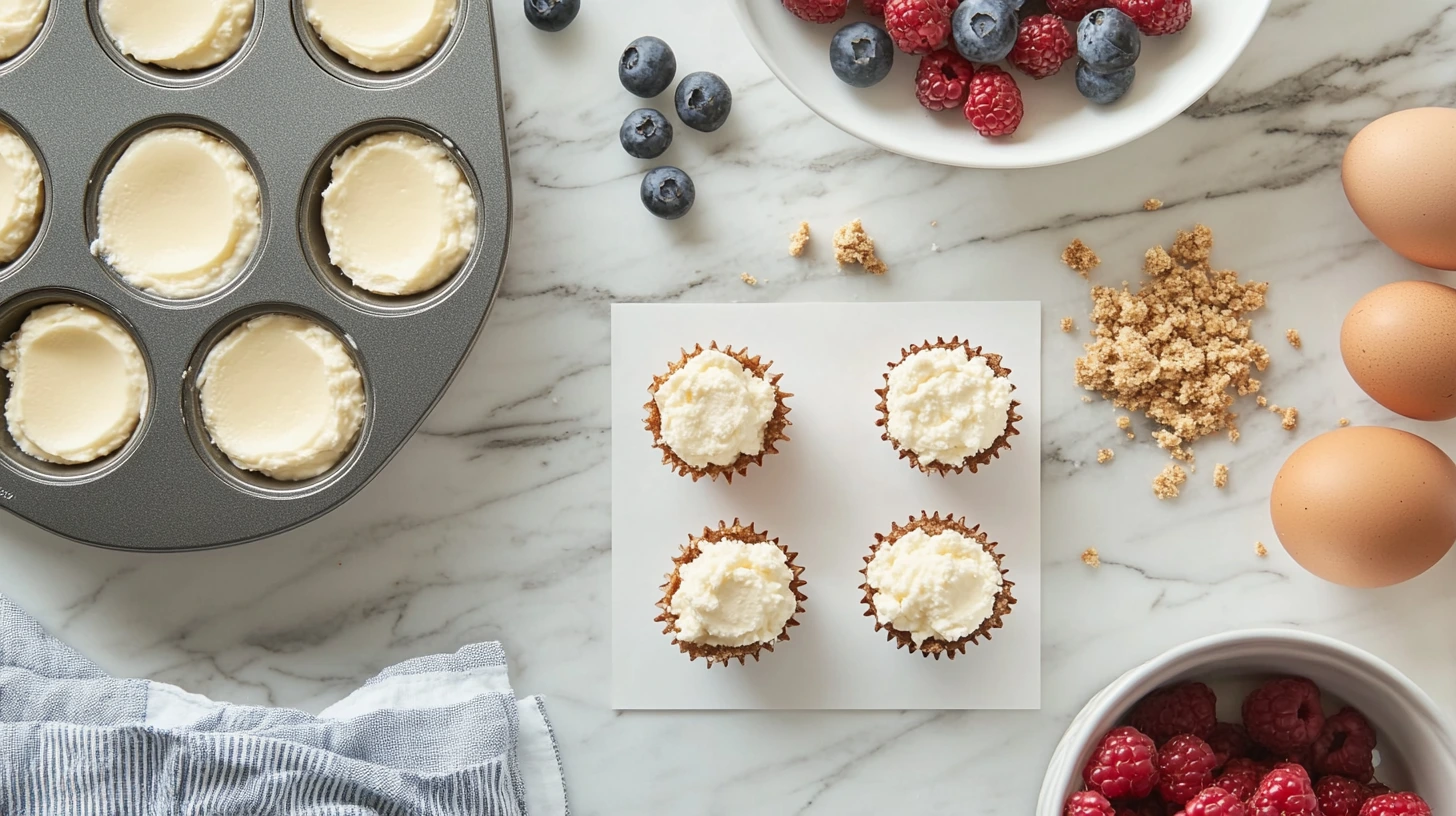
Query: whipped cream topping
22,194
281,396
179,213
398,214
20,22
945,406
78,384
184,35
382,35
734,594
942,586
714,410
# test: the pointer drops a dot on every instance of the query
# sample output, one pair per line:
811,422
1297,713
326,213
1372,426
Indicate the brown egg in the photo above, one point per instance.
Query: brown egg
1399,343
1366,507
1400,176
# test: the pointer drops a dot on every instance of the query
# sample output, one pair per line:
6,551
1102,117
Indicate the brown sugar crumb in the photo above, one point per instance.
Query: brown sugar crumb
1080,257
853,246
1166,485
1233,434
1344,422
748,279
1261,401
1153,204
1131,435
1220,476
1104,456
1291,418
1087,400
934,223
799,240
1180,348
1091,558
1292,335
1068,325
1124,422
1260,550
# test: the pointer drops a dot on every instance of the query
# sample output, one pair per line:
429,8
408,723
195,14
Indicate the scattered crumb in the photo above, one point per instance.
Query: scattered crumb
1274,409
1131,435
1087,400
1261,401
748,279
934,247
1104,456
1173,444
1260,549
799,240
1153,204
1124,422
853,246
1166,484
1292,336
1233,434
1291,418
934,223
1080,257
1220,476
1068,325
1091,558
1344,422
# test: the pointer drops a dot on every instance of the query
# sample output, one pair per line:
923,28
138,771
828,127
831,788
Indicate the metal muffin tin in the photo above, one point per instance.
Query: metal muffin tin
290,105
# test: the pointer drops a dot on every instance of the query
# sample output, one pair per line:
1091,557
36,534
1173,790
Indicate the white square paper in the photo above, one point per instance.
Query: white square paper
830,489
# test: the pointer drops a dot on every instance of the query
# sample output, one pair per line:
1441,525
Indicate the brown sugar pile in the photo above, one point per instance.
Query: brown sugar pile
799,240
1104,456
1166,484
853,246
1220,476
1080,258
1091,558
1178,349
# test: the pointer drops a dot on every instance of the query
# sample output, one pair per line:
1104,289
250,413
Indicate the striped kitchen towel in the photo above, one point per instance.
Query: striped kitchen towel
441,735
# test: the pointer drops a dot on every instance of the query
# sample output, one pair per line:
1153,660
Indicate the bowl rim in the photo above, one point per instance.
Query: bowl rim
1097,715
1192,93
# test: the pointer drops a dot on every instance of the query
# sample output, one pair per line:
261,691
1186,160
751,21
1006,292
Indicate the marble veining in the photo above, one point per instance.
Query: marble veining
492,523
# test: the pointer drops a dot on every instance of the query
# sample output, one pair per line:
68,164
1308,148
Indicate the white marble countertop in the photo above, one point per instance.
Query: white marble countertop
493,522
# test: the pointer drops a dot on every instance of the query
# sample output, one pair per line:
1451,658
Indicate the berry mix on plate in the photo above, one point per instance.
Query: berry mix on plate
1104,35
1287,758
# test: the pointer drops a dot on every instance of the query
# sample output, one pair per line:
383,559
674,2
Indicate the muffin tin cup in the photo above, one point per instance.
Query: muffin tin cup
1416,738
170,489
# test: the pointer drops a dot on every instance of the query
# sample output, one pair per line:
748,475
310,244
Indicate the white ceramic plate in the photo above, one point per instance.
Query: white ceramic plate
1060,126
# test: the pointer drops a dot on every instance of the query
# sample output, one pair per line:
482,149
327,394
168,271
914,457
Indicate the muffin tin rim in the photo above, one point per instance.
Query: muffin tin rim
20,57
7,270
171,78
335,65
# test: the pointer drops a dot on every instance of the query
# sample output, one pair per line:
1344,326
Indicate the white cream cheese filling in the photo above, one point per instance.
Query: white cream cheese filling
945,406
382,35
281,396
179,213
20,22
22,194
184,35
398,214
734,594
942,586
714,410
78,385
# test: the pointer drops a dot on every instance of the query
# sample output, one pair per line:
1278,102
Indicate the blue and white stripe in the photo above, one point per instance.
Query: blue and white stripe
435,735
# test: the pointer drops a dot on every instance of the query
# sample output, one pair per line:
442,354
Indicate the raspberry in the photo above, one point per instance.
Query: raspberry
1185,767
993,104
1228,741
1395,804
1346,746
1157,17
1088,803
1294,768
875,7
1075,10
1240,777
1123,766
918,26
1339,796
943,79
1215,801
1043,44
1284,715
1188,708
817,11
1284,793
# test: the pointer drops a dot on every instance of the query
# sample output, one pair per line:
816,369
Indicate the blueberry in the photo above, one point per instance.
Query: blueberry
646,133
985,30
1104,89
647,67
861,54
552,15
667,192
1108,40
703,101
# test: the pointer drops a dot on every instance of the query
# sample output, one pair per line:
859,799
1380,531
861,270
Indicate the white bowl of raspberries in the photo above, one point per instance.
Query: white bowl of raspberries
999,83
1256,723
